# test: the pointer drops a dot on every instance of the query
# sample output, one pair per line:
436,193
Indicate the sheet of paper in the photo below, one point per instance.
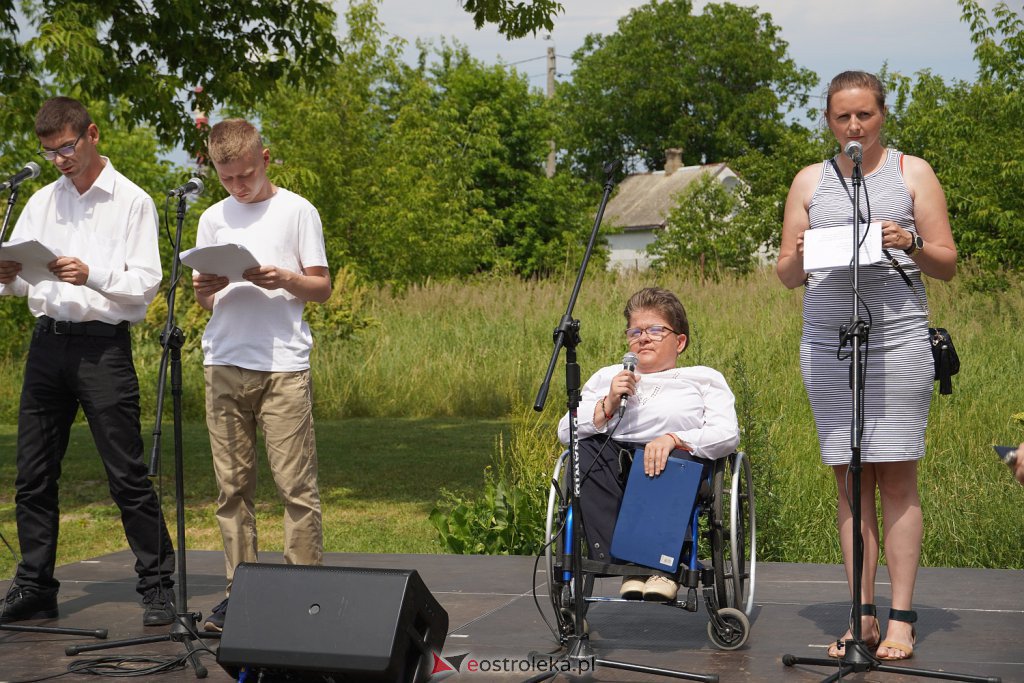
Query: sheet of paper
230,260
33,257
828,248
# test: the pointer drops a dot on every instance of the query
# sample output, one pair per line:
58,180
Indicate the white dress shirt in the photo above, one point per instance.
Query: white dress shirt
112,228
694,403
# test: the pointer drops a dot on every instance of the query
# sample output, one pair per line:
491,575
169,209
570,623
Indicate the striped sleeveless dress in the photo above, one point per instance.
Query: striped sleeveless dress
900,371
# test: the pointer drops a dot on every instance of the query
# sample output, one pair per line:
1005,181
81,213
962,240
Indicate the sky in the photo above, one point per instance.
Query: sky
825,36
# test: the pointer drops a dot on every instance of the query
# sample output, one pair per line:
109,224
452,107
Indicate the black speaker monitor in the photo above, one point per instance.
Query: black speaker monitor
352,623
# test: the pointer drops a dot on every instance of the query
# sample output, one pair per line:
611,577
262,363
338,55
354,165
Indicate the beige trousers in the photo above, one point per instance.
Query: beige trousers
281,405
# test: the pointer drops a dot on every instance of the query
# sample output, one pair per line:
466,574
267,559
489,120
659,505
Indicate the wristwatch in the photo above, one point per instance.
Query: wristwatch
916,244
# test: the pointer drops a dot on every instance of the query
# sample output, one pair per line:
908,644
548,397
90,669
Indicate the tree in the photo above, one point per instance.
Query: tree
433,171
702,230
969,133
716,84
514,19
153,54
540,222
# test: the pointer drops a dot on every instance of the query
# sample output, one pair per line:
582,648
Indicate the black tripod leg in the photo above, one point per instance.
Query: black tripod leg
72,650
100,633
656,671
944,675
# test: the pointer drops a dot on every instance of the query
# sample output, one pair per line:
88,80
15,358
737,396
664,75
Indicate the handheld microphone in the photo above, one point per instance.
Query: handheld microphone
31,170
628,363
854,150
193,187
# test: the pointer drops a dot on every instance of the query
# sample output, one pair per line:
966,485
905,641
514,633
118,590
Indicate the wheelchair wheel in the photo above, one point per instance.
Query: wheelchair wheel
735,631
554,523
559,590
733,533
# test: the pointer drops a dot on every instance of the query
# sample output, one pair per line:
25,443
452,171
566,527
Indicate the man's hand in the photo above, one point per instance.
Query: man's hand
8,271
69,269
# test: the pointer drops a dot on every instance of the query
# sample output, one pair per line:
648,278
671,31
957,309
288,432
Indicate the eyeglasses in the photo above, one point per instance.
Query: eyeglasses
655,332
65,151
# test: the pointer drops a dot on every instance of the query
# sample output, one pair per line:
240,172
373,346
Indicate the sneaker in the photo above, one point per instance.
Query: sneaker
632,587
215,622
159,607
25,603
660,589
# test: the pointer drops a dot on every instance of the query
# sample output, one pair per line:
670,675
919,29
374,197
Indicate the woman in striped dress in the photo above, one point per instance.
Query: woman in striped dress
903,194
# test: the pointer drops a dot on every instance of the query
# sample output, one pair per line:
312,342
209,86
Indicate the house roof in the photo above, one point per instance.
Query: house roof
644,200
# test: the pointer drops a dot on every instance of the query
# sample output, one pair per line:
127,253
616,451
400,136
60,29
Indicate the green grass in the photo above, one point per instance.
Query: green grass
460,361
379,479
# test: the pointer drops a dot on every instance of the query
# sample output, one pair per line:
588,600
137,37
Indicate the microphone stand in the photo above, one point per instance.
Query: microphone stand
101,633
856,657
172,338
578,650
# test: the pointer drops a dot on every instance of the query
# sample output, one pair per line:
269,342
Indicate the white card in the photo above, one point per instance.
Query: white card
230,260
828,248
33,257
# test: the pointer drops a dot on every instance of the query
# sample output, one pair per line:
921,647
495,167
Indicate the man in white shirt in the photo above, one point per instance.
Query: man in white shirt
256,350
80,355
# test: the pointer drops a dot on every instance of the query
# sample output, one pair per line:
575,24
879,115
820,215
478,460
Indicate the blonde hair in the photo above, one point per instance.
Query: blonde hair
233,138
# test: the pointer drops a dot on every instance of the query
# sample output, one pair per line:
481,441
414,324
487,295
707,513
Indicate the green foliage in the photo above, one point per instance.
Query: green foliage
701,230
508,517
151,53
343,313
439,169
964,131
514,19
717,84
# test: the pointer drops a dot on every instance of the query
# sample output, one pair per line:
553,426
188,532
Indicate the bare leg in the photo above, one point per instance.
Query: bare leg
903,526
869,530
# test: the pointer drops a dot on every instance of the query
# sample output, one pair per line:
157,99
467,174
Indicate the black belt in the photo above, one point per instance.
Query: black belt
91,328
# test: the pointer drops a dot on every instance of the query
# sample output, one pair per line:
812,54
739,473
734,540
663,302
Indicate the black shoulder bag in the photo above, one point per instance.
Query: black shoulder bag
944,355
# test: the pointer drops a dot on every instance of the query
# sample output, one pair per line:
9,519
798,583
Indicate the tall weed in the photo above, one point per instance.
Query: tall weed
480,348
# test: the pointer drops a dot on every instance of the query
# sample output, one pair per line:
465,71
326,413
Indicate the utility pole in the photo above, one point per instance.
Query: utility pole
550,94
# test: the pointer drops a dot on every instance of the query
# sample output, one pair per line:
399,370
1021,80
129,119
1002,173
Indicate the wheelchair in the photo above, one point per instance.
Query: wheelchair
723,528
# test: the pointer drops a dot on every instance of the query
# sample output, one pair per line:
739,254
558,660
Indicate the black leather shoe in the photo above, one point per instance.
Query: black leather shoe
24,603
159,607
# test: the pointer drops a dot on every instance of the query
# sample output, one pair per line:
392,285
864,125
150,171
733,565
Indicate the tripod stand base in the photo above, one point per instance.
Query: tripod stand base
179,633
860,662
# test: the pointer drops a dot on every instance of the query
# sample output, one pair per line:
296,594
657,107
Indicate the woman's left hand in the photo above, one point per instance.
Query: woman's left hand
656,454
895,237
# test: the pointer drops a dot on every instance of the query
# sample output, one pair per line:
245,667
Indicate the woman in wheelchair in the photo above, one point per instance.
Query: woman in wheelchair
688,412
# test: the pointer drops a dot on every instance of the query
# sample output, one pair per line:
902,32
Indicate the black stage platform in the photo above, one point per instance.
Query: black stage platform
971,620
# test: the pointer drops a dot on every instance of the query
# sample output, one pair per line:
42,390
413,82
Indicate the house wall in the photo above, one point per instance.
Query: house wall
626,250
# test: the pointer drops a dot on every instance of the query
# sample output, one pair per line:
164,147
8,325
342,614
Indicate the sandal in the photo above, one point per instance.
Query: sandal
905,615
838,648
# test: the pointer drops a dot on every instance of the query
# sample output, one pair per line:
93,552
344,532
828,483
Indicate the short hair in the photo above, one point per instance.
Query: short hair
232,139
848,80
58,113
665,303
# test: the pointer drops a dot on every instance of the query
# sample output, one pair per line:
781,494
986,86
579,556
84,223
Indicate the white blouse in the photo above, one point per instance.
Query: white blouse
694,403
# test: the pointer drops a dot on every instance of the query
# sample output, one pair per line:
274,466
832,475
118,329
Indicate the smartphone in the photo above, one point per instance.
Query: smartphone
1008,454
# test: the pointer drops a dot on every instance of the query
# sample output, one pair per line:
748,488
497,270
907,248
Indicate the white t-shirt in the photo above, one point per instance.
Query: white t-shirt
694,403
252,327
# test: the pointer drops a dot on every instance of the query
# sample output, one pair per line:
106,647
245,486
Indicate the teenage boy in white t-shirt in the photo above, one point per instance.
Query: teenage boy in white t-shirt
256,350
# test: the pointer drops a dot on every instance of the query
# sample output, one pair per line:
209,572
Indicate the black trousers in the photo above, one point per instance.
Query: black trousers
63,372
604,465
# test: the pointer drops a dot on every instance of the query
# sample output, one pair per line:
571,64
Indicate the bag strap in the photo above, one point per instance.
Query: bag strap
892,259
